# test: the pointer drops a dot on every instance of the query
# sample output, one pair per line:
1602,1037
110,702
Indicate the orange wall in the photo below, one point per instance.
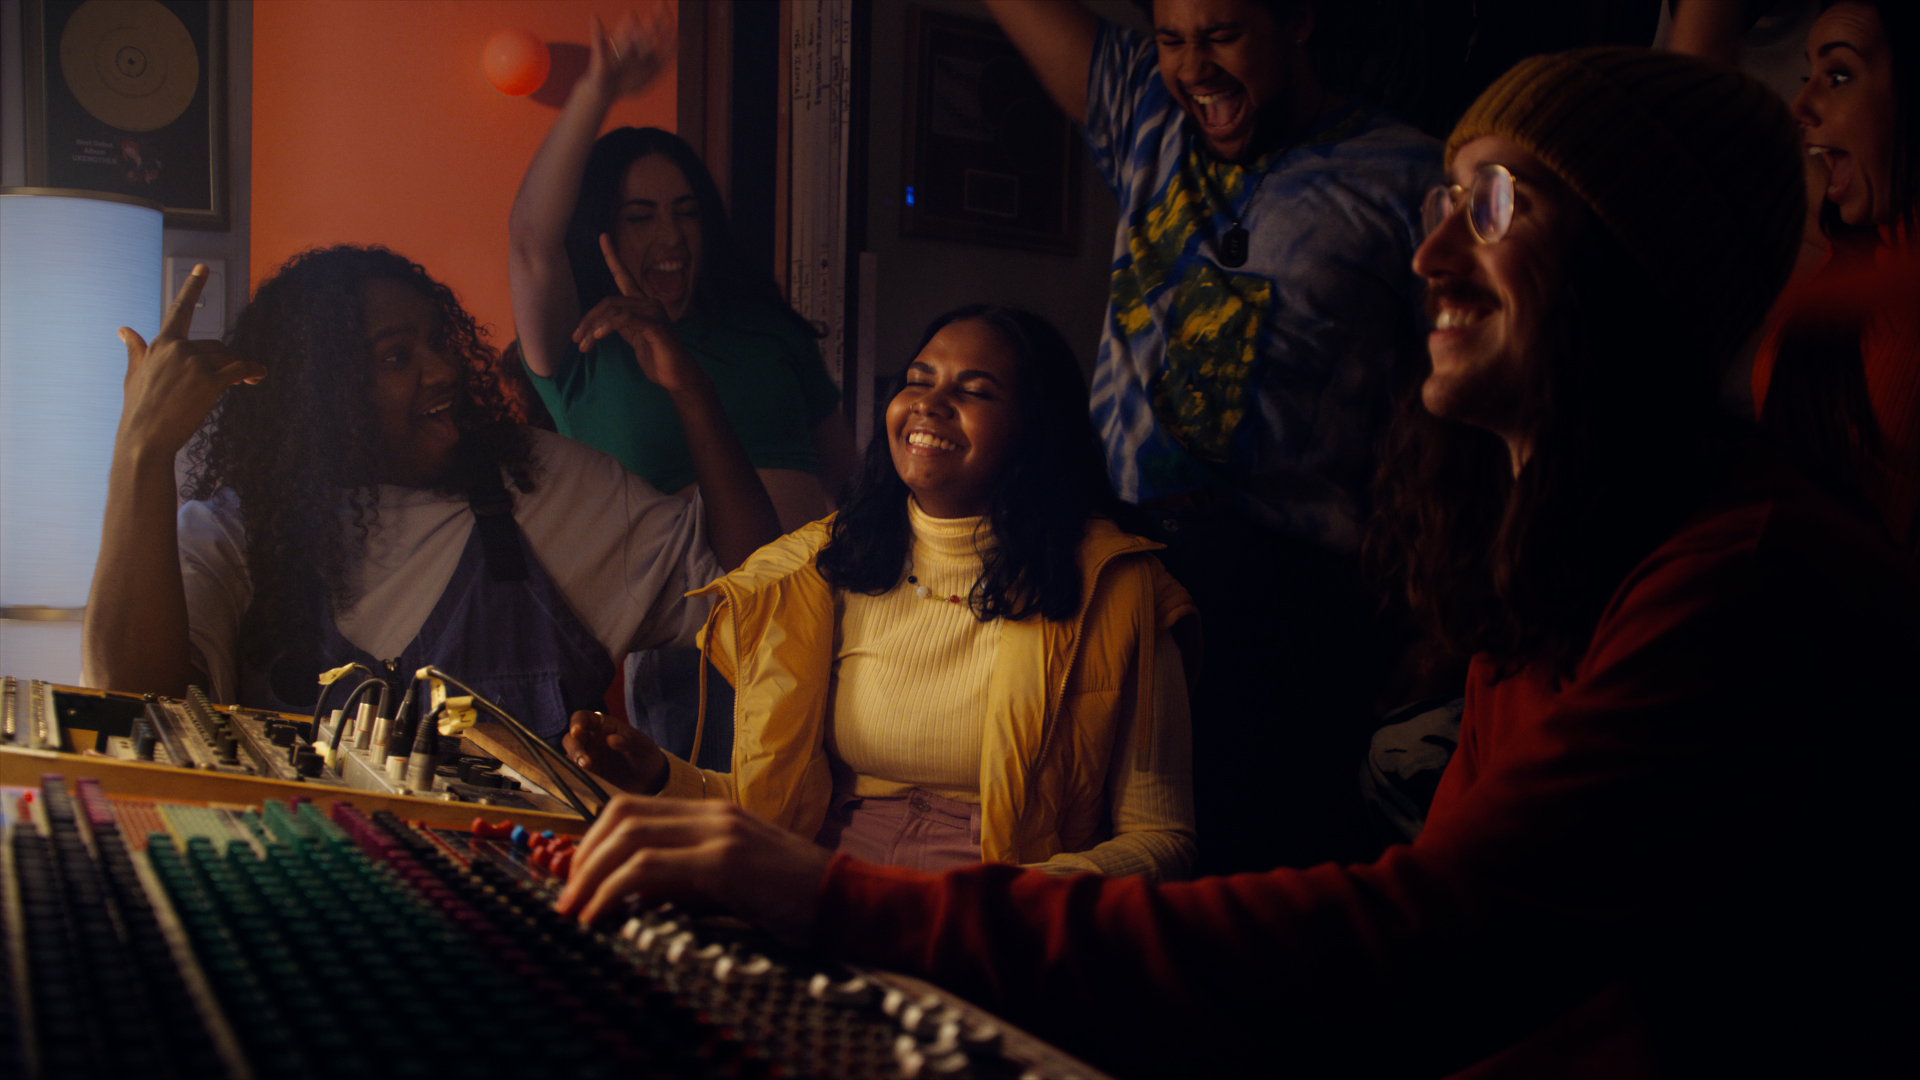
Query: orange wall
373,124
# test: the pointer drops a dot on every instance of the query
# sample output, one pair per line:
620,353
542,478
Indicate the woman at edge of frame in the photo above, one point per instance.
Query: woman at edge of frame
1837,374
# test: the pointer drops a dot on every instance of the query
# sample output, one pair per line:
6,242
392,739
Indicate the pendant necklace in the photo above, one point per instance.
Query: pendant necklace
922,591
1233,243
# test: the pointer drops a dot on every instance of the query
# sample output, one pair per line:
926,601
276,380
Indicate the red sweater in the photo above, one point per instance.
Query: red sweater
1880,297
1674,863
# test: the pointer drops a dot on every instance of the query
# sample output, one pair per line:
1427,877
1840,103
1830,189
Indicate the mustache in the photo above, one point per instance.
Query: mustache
1459,294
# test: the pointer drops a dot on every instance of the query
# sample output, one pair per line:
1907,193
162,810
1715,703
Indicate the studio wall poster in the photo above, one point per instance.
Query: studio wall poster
989,158
129,97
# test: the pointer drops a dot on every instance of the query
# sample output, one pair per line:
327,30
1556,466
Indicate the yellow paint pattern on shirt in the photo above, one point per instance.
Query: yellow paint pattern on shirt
1200,395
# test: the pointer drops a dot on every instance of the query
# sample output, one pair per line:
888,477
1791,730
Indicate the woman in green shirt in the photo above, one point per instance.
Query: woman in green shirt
650,196
644,194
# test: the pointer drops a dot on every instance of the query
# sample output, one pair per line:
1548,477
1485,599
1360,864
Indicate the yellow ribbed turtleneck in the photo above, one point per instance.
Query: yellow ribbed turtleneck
909,697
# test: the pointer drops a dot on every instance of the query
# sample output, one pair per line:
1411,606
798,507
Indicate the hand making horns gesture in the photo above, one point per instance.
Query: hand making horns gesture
173,383
642,321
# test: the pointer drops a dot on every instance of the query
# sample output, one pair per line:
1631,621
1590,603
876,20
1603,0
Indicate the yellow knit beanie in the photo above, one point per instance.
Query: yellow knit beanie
1695,167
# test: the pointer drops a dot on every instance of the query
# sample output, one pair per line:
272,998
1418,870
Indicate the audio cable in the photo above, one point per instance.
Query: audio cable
536,747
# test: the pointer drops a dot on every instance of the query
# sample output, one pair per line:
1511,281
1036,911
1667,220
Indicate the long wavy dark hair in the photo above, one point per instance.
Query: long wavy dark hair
727,279
299,449
1055,480
1626,438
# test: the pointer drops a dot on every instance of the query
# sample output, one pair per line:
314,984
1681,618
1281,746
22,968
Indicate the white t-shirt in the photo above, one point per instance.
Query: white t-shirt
622,555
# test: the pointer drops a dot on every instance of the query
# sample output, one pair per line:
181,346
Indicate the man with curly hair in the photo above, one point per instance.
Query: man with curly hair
1261,310
350,502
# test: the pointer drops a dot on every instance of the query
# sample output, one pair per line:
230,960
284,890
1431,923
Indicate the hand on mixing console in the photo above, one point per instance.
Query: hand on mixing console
172,382
701,849
616,752
643,322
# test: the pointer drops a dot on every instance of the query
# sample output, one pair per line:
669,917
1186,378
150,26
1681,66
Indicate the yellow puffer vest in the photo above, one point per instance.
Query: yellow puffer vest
1059,692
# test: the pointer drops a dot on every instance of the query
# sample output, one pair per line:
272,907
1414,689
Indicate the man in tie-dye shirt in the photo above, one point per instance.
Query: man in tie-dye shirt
1263,308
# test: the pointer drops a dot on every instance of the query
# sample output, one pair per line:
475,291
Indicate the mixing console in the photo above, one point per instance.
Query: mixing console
158,938
194,733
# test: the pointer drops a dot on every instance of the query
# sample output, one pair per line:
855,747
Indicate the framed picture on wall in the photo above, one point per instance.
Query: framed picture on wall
990,158
129,96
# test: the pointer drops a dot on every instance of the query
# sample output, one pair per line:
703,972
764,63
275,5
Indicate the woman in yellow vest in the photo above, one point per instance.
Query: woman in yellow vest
973,660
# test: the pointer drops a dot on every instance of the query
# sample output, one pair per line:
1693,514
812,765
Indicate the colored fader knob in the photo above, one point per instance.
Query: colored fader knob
516,62
496,831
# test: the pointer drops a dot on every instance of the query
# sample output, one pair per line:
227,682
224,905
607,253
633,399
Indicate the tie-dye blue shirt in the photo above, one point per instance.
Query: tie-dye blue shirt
1269,381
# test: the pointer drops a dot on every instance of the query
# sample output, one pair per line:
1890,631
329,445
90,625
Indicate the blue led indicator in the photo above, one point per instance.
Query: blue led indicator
909,195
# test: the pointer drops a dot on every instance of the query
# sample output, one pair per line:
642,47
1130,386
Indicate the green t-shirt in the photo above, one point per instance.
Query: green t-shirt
767,371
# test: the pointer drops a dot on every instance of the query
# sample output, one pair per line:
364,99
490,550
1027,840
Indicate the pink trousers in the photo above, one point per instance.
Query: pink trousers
918,830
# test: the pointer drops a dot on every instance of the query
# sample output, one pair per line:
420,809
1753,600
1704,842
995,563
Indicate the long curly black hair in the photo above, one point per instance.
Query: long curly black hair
299,450
1055,479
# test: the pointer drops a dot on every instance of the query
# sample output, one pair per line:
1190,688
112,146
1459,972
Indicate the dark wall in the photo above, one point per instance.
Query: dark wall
755,128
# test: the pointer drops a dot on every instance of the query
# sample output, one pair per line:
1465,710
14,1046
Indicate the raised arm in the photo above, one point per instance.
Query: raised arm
1710,28
740,516
1056,37
135,634
546,307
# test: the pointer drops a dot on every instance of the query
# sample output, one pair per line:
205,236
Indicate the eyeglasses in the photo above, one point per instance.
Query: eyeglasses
1489,204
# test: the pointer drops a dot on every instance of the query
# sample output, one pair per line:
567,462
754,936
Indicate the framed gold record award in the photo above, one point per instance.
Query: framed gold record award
129,96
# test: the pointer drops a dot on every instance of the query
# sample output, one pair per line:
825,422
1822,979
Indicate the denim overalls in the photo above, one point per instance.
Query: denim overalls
501,627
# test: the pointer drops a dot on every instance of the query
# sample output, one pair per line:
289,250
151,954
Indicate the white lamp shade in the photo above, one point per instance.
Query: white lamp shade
73,269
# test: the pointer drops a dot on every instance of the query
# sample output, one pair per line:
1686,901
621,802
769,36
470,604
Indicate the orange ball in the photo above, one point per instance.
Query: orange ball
515,62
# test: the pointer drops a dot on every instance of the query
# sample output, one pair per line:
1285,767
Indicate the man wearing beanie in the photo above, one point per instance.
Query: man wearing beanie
1666,845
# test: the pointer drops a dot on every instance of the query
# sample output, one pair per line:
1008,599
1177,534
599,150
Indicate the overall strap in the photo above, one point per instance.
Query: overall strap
493,515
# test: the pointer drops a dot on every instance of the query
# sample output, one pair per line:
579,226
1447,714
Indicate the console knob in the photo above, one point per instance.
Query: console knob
896,1000
658,935
924,1020
754,968
855,991
981,1040
916,1062
679,945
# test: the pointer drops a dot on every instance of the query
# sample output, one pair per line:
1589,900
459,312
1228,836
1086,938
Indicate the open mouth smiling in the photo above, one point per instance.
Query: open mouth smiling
1220,109
1453,318
1839,169
927,440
